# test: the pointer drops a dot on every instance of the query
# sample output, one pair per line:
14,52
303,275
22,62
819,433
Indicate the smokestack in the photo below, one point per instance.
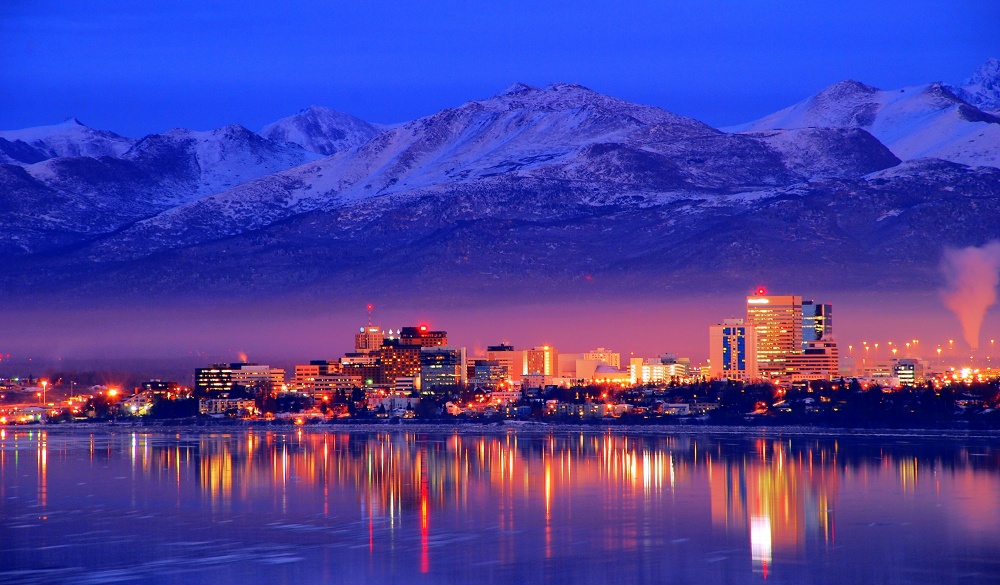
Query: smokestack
971,277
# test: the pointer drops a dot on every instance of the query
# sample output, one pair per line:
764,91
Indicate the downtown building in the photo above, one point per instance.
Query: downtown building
794,339
732,350
442,368
776,321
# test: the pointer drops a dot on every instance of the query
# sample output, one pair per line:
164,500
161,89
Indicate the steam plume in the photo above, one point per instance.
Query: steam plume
971,275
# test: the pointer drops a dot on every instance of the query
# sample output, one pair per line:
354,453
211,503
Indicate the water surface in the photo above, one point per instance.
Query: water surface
301,506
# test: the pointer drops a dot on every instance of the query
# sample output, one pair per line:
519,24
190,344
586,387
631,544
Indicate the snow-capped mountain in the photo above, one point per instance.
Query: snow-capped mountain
321,130
63,200
557,190
70,138
983,88
914,122
203,163
562,137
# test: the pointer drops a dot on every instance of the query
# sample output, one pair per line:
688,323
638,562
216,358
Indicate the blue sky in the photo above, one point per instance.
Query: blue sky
142,67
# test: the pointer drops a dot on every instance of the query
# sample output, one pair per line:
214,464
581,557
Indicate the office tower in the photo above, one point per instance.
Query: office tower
777,323
732,350
541,360
397,359
817,321
442,367
368,340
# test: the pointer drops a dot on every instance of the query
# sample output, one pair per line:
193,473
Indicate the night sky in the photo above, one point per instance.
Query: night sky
143,67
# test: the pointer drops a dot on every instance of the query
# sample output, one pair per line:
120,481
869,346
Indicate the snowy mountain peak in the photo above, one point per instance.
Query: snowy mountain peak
983,88
847,88
517,88
987,75
931,120
321,130
70,138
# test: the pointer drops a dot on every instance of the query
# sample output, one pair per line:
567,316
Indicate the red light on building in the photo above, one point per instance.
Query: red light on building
761,291
423,328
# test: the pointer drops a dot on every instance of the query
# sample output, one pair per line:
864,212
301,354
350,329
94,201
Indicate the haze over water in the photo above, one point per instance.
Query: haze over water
309,506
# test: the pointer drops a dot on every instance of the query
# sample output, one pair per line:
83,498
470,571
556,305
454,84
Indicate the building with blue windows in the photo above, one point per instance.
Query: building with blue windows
732,350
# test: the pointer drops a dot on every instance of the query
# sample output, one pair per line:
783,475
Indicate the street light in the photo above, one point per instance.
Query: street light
44,384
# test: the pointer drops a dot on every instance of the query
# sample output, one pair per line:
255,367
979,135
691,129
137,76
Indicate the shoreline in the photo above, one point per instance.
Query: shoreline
505,427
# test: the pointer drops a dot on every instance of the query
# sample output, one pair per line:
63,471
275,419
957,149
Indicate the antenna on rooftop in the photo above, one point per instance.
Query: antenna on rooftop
371,308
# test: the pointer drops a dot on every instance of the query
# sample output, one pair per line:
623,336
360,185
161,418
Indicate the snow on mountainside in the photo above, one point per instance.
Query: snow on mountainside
534,189
914,122
983,88
560,139
70,138
321,130
101,195
216,160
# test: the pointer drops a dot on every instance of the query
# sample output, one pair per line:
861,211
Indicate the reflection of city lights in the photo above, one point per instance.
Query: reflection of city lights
760,542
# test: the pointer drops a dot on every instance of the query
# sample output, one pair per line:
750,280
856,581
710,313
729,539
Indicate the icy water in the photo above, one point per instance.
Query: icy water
304,507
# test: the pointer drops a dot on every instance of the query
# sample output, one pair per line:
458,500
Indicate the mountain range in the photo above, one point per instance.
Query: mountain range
557,191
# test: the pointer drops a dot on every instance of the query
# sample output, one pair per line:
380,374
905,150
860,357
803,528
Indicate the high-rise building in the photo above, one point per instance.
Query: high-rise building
442,367
368,339
732,350
817,321
396,359
777,324
541,360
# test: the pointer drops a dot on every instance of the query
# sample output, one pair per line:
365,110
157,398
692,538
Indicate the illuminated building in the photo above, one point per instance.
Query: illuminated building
819,360
323,377
250,375
732,350
317,368
777,324
510,359
541,360
442,367
488,374
368,339
658,370
605,374
606,356
160,388
422,337
908,371
214,380
397,359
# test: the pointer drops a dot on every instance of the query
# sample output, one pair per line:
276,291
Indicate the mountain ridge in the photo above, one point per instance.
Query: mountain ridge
555,189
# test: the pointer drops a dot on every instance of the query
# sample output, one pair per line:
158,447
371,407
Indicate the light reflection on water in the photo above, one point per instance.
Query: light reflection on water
338,507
